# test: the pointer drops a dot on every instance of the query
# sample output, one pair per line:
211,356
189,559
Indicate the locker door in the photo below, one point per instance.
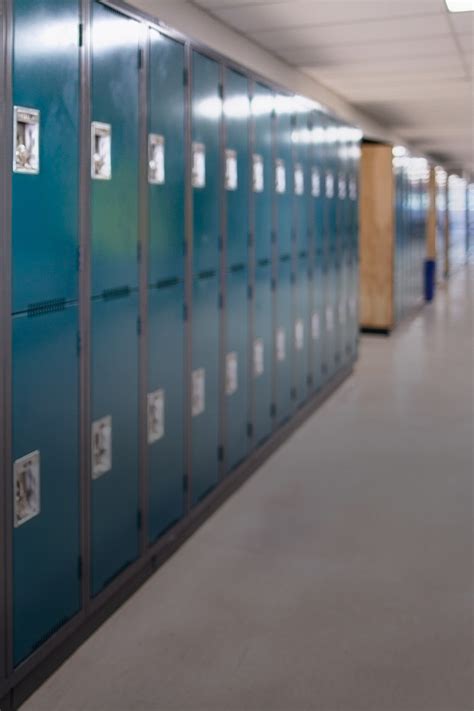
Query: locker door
45,184
318,227
165,406
339,249
284,178
236,367
331,198
114,374
45,470
205,385
301,335
166,148
114,189
262,351
283,341
354,297
236,183
262,169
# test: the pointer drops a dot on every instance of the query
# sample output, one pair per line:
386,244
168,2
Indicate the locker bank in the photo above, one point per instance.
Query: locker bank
179,280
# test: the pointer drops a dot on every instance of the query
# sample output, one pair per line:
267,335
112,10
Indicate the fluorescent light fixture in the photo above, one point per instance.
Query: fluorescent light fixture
460,5
399,151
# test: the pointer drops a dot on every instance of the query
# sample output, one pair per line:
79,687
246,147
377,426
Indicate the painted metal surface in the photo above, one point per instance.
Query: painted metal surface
283,338
45,205
46,547
114,102
115,519
262,351
317,221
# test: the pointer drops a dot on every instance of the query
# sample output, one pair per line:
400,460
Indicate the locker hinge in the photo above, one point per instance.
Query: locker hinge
79,344
220,243
185,483
79,567
139,252
273,284
293,278
185,77
293,393
221,301
185,247
139,325
220,453
273,410
293,120
274,237
221,90
80,37
250,292
139,520
140,59
250,239
309,379
185,312
273,114
78,259
249,429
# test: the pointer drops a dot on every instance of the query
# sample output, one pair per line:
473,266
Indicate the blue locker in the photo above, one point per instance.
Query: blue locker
354,247
45,203
301,330
166,191
331,204
205,386
283,341
165,406
318,236
206,119
262,107
114,194
236,368
46,540
262,351
115,518
283,169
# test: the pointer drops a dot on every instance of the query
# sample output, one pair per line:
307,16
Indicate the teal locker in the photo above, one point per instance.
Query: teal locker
262,351
166,152
317,213
115,515
283,336
262,170
46,540
205,386
283,174
115,151
45,185
301,330
331,204
165,406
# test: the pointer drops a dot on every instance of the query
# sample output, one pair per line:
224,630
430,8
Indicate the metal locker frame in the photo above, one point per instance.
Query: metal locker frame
22,682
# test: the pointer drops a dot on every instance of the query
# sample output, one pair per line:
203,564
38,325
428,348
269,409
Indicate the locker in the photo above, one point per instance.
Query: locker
205,385
236,115
166,148
206,121
45,471
45,177
283,341
301,331
236,368
165,406
115,151
354,249
331,203
262,351
319,256
262,170
115,516
283,170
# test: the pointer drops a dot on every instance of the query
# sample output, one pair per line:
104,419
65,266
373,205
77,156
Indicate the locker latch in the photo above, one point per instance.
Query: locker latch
26,136
101,446
156,159
101,147
231,174
26,487
156,416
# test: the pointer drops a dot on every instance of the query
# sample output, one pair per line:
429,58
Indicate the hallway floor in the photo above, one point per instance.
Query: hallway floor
339,578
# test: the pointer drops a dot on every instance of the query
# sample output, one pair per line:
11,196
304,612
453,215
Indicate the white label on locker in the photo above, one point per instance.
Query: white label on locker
280,344
198,392
353,189
101,147
342,187
299,179
342,313
299,335
315,183
352,305
231,373
257,173
315,327
156,415
26,488
101,446
329,185
329,318
156,159
26,132
280,176
199,165
258,362
231,179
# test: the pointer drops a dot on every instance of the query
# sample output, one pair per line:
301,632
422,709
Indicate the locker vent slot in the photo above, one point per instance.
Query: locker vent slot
285,257
303,254
207,274
118,293
46,307
237,268
263,262
166,283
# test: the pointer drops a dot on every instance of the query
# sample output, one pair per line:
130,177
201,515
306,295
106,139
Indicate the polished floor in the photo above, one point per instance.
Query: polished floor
339,578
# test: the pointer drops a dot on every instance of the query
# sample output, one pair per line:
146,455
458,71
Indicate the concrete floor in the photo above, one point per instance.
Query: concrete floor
339,578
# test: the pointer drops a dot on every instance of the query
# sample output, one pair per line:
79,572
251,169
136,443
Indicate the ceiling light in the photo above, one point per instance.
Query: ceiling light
460,5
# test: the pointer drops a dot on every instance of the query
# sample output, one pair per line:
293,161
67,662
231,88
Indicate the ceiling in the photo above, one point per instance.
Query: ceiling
407,63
